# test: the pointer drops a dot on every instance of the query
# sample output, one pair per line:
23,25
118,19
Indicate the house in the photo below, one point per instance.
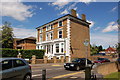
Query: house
26,43
64,36
110,51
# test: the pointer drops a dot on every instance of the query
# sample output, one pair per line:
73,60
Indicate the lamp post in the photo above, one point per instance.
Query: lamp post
86,43
87,68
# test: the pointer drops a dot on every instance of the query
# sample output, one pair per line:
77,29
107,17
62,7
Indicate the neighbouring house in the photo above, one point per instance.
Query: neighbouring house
26,43
110,51
64,36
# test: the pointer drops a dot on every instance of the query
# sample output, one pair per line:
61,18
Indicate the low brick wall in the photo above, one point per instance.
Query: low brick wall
107,68
39,61
96,56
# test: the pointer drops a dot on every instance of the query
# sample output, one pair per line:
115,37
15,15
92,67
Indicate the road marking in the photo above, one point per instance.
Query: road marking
47,69
36,75
73,77
67,75
57,65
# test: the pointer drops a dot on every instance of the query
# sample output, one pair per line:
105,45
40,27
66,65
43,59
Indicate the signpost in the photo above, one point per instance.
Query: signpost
86,43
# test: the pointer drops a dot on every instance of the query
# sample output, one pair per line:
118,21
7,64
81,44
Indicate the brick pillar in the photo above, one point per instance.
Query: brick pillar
54,59
67,58
33,59
45,59
62,59
19,56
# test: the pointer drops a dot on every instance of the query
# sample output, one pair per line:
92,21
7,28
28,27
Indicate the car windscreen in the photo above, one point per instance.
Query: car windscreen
76,60
101,59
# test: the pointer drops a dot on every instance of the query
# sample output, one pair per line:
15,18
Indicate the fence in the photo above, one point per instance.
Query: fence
46,60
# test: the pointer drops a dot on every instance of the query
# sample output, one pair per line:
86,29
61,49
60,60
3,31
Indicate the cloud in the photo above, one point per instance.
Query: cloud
23,33
61,3
64,12
113,9
97,28
92,23
67,9
16,10
40,8
104,39
112,26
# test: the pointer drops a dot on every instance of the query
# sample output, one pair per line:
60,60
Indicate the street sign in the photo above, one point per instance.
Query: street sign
86,42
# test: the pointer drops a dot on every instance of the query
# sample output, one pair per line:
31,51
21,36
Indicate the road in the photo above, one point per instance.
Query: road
55,71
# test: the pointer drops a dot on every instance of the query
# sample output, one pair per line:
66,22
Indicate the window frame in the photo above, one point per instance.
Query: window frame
59,23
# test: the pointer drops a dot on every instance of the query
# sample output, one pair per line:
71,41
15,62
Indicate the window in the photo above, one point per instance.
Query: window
62,47
60,23
47,27
18,63
47,36
7,64
41,30
51,36
60,34
51,26
40,37
57,48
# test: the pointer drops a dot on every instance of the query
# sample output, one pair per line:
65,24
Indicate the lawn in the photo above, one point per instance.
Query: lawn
113,76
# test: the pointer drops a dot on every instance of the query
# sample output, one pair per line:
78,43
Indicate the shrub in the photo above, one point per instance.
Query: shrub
25,53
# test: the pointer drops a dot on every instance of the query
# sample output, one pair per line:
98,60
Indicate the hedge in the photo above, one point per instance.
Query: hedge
25,53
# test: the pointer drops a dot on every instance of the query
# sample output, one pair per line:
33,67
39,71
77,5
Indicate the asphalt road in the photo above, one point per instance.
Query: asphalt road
55,71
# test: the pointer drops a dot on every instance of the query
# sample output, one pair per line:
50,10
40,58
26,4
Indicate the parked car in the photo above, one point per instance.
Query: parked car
102,60
77,64
15,69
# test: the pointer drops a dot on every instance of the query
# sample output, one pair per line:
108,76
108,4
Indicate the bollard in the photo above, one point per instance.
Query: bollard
44,74
87,73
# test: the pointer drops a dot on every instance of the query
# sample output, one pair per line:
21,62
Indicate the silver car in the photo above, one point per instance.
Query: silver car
15,69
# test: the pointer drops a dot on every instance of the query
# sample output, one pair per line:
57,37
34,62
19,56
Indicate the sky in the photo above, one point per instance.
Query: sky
27,16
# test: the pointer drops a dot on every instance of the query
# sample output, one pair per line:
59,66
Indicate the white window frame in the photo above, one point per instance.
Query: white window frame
62,47
58,48
41,36
60,30
58,23
50,35
41,30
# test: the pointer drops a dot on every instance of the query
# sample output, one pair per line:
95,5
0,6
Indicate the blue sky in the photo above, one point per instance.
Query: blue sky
26,16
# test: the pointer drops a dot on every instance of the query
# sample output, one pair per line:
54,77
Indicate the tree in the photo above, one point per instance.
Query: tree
7,35
93,49
100,48
118,49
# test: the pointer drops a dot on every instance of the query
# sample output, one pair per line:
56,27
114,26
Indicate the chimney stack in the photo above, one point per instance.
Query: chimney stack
84,17
73,12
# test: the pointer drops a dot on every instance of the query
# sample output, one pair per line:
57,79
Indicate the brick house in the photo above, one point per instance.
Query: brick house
64,36
26,43
110,51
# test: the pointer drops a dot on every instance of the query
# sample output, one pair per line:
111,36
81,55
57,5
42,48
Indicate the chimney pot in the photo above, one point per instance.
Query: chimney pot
84,17
73,12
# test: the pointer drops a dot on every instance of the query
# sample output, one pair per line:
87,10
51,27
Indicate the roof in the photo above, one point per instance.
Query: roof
110,49
1,59
63,17
32,38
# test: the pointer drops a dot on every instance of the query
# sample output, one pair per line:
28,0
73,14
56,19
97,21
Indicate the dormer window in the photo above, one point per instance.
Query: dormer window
60,23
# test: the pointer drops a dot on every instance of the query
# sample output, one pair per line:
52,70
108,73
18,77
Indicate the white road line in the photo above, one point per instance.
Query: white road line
36,75
47,69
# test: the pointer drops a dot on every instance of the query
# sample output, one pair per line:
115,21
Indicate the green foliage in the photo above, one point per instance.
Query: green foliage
25,53
7,36
118,48
95,49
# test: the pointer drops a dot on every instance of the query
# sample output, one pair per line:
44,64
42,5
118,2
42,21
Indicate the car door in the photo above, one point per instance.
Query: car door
82,63
19,68
7,70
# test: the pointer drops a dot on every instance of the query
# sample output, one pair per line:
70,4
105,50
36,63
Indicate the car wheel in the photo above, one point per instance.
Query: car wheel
27,77
77,68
